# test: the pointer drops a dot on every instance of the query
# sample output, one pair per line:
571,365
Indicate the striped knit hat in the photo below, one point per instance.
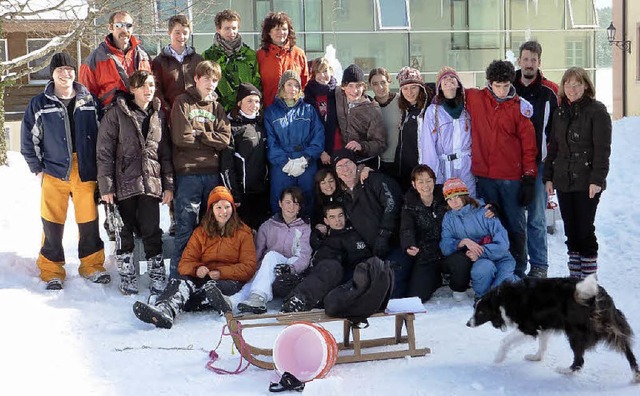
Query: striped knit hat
454,187
446,71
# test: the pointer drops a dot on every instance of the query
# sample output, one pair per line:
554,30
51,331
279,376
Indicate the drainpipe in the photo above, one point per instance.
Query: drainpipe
624,59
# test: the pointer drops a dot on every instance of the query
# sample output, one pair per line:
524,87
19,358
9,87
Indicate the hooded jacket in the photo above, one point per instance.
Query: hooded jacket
172,77
290,240
200,130
46,135
362,123
129,163
107,69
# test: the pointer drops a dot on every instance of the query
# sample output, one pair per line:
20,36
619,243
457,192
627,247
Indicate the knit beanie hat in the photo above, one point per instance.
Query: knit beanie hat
408,75
289,75
446,71
342,154
247,89
353,73
219,193
454,187
60,59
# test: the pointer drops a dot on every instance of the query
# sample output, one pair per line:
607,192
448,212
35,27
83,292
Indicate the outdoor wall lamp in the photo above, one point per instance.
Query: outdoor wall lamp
624,45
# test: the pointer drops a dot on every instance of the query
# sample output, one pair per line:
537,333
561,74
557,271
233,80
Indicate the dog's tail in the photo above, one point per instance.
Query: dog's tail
586,289
611,323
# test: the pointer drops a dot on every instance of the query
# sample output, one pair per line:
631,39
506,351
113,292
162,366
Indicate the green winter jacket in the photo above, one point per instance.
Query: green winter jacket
241,67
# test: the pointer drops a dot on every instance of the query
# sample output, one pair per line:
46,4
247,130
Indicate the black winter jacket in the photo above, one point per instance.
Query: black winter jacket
345,246
373,207
579,146
421,225
128,163
542,94
319,96
244,163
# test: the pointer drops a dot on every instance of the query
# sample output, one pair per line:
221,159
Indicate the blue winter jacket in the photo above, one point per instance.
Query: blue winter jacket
46,134
470,222
293,132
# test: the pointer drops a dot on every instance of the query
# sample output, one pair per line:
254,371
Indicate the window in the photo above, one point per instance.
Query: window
4,55
472,18
575,53
165,9
42,76
582,14
393,14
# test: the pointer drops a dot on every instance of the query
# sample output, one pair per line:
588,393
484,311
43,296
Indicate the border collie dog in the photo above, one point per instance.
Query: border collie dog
537,308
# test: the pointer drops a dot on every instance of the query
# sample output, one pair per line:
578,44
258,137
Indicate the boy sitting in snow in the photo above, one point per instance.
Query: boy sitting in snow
337,251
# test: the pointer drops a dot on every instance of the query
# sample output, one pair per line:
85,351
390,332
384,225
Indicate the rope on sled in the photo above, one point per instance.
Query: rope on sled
213,355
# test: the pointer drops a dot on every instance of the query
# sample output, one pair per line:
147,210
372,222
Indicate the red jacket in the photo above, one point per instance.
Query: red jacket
503,138
103,75
275,61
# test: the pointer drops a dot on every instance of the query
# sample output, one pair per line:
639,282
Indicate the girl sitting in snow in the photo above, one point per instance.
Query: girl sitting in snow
484,240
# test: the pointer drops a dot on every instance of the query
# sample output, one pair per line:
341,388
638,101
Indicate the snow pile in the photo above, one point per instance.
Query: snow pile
86,340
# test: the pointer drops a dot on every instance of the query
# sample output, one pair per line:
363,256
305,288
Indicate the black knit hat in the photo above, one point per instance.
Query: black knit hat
342,154
60,59
247,89
353,73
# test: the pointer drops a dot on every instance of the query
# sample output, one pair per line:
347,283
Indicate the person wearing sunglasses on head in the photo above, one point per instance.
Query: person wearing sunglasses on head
108,67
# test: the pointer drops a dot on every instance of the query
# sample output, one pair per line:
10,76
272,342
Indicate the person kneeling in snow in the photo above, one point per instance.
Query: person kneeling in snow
338,250
484,240
219,257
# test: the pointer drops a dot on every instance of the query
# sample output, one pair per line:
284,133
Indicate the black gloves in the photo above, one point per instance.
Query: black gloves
527,190
281,269
381,247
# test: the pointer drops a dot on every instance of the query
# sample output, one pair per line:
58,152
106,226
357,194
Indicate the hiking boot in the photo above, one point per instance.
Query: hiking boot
459,296
446,278
216,300
537,272
128,277
54,284
157,274
102,277
160,315
294,304
255,304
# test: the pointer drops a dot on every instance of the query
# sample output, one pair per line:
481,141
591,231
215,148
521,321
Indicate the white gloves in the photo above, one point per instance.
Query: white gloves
295,167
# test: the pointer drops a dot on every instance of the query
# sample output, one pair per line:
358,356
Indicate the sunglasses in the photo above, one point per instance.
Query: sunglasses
120,25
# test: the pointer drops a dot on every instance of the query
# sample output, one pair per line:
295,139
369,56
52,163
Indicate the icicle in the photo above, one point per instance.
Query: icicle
527,34
441,9
535,5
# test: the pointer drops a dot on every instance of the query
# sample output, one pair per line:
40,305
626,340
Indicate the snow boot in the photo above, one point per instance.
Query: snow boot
127,270
54,284
255,304
537,271
157,274
215,299
294,304
102,277
575,265
168,305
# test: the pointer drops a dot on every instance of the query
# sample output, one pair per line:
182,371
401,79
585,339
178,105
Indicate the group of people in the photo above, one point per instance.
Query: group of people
282,178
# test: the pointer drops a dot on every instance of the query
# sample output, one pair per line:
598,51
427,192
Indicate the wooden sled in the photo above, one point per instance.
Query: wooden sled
356,349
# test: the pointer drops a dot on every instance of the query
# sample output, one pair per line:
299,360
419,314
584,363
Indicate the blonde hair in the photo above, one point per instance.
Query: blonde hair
319,65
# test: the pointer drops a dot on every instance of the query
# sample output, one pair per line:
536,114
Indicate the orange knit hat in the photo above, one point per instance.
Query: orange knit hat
219,193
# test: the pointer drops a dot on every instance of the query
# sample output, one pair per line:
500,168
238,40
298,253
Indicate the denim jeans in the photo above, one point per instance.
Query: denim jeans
506,194
190,201
537,224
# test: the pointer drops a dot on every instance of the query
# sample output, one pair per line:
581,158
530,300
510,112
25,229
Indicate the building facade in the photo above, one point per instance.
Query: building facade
626,65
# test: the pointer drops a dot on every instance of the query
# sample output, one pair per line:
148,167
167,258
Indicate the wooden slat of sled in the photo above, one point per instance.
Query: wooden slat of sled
356,348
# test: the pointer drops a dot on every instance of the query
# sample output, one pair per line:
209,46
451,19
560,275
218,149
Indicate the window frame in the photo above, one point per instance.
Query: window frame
379,25
160,25
6,49
30,79
595,24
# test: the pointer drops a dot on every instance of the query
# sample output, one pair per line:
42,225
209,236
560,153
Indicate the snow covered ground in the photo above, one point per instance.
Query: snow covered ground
85,339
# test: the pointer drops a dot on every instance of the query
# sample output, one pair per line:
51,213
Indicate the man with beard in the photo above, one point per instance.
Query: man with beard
542,94
108,67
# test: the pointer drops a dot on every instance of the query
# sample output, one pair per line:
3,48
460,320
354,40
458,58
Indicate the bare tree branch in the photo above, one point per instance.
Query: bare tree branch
22,9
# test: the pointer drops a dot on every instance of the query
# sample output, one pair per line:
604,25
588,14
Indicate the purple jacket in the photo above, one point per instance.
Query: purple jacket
287,239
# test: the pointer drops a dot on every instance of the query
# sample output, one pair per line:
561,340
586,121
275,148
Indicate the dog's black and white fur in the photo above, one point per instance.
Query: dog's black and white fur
582,310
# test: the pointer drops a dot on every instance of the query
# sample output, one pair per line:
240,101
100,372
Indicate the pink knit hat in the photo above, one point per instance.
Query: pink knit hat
446,71
454,187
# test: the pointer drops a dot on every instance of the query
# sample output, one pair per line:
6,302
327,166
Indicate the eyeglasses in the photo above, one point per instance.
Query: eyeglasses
120,25
573,86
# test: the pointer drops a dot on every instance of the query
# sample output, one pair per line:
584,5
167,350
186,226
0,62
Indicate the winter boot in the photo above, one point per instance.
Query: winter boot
575,265
102,277
54,284
215,299
127,270
168,305
589,265
255,304
157,274
537,271
294,304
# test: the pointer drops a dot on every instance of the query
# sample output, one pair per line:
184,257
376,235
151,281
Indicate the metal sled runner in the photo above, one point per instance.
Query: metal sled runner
350,351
